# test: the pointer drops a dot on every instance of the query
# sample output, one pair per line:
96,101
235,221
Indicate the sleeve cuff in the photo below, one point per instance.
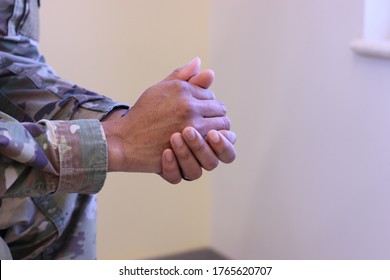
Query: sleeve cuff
82,148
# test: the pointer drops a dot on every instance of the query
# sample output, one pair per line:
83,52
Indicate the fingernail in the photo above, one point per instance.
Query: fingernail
169,156
190,134
214,136
178,141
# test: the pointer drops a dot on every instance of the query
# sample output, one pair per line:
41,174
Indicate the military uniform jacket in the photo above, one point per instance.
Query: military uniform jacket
53,151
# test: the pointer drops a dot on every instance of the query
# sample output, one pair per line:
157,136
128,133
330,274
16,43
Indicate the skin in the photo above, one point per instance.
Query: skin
193,152
178,118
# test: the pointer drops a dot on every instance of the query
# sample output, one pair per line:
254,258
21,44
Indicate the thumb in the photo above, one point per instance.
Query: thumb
203,79
185,72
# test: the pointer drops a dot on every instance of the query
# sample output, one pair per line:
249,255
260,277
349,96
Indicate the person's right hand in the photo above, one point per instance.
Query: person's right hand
137,141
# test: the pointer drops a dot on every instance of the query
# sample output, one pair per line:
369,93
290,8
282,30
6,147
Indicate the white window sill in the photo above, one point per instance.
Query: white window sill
380,49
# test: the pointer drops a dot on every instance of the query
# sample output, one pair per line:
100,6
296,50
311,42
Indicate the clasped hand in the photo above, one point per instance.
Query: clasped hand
175,129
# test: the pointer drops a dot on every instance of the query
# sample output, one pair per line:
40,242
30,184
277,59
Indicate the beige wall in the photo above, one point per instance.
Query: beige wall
312,175
119,48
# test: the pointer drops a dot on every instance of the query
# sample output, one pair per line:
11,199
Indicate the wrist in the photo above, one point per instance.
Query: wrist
115,154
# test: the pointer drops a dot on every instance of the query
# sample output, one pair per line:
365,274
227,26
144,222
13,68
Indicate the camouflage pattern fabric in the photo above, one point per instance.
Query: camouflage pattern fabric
53,152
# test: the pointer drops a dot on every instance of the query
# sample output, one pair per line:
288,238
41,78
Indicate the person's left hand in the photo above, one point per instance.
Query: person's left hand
191,152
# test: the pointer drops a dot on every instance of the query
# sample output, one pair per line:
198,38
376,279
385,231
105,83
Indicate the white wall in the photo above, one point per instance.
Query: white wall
119,48
312,175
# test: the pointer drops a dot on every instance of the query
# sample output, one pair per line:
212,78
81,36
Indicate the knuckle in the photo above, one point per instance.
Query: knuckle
184,154
223,108
186,107
180,86
226,122
199,147
202,130
176,72
187,110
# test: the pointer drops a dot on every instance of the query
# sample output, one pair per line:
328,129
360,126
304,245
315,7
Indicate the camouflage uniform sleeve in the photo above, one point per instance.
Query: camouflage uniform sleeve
30,94
51,156
38,156
28,83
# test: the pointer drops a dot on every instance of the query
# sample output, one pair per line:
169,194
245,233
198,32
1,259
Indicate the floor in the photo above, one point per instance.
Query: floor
201,254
